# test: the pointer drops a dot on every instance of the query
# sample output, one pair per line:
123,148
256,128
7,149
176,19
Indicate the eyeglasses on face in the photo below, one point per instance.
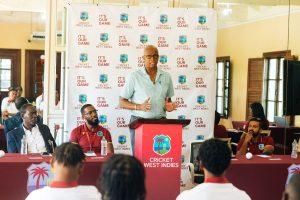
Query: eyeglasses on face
148,57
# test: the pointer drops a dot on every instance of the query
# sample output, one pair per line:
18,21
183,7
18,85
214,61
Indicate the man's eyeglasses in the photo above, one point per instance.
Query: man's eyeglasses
91,112
148,57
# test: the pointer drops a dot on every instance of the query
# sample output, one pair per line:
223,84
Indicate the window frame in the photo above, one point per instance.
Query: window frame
227,66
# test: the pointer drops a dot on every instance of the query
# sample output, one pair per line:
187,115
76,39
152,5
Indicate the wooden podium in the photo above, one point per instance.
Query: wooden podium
158,146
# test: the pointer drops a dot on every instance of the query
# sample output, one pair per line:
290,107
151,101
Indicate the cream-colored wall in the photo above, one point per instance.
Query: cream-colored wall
15,36
251,41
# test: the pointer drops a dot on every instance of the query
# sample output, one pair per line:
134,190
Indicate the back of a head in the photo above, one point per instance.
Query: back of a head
122,178
293,188
217,117
24,108
20,102
257,110
69,154
215,156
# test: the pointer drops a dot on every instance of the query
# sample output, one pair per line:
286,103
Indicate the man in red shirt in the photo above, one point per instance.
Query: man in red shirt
89,134
255,142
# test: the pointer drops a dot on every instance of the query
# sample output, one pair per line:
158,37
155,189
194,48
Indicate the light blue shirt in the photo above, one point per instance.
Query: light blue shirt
139,87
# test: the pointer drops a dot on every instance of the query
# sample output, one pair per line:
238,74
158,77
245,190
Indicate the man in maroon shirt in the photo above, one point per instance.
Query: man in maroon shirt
89,134
253,141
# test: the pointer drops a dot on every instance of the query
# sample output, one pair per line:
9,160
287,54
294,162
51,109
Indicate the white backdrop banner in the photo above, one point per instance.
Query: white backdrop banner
105,44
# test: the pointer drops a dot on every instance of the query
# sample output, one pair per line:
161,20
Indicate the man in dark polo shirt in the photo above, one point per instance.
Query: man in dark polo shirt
89,134
253,141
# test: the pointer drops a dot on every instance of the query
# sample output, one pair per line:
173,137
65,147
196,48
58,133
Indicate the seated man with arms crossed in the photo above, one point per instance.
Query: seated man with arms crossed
214,156
67,166
253,141
89,134
38,136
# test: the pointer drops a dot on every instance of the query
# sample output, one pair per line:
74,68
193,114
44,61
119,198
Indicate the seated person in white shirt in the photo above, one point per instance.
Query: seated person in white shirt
122,177
38,136
67,166
214,156
8,107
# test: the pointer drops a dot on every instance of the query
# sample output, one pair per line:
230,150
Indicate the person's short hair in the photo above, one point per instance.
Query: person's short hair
19,88
11,89
255,119
69,154
24,107
293,187
215,156
122,177
20,102
217,118
83,107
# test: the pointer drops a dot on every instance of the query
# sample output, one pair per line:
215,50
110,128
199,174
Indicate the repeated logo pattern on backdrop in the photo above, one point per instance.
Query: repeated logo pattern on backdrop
106,43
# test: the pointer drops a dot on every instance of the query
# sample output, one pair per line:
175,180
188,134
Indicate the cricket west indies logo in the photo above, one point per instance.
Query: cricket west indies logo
201,60
82,98
202,20
84,19
163,22
83,61
39,176
104,41
104,37
122,139
163,19
102,119
163,59
83,57
123,58
123,64
161,144
201,105
124,18
181,117
182,39
143,38
84,16
103,82
183,43
103,78
182,83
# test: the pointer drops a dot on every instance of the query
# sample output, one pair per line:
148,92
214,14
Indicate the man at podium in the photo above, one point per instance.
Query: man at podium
148,91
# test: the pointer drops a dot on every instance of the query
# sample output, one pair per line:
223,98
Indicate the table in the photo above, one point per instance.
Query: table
261,178
13,174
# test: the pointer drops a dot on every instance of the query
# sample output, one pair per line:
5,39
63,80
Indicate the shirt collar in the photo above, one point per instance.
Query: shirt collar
86,129
219,179
25,129
62,184
158,73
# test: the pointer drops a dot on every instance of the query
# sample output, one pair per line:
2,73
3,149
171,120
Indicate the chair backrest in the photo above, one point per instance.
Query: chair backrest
227,140
265,132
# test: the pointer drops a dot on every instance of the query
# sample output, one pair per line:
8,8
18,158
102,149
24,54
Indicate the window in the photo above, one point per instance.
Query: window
273,87
5,74
223,86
